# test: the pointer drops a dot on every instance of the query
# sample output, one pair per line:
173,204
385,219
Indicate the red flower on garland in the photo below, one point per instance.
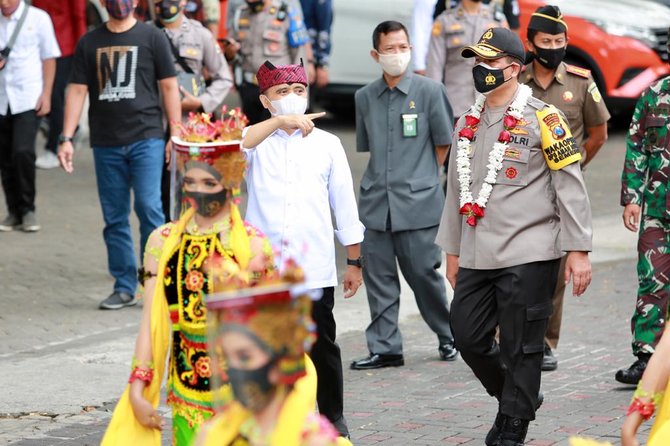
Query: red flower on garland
202,367
194,281
509,122
504,136
471,121
467,133
473,212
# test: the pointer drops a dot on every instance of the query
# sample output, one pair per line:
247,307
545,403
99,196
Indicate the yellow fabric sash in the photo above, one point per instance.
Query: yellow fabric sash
660,431
124,429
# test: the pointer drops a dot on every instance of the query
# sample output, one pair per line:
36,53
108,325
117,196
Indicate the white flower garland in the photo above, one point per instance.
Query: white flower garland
494,165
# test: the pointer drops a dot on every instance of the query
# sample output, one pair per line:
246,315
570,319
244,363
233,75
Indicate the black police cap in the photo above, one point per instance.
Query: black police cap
548,19
496,43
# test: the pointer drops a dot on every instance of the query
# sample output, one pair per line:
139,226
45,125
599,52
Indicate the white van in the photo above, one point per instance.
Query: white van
351,66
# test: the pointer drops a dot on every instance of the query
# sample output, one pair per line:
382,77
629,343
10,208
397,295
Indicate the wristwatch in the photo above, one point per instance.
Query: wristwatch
62,138
356,262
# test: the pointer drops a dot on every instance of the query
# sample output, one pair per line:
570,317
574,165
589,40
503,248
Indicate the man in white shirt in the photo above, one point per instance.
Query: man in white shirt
296,174
26,79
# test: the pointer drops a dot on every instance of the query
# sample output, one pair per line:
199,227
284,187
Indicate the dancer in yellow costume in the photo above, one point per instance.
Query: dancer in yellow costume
651,394
261,335
176,280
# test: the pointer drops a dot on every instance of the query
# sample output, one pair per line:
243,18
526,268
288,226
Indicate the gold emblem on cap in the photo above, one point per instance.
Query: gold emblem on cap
488,35
490,79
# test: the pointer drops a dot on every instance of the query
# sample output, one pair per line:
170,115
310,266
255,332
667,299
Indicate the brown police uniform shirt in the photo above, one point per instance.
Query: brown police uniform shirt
264,36
575,93
534,213
452,30
196,45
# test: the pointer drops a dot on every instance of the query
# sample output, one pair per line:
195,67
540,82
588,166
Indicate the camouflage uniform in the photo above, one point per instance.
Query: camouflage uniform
644,181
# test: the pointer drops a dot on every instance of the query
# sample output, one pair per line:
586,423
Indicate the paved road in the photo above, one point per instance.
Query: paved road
64,362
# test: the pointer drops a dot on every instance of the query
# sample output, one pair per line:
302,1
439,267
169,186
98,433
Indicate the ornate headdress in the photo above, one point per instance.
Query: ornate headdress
213,146
275,314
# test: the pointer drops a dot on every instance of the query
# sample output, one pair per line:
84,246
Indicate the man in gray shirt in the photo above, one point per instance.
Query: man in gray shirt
404,121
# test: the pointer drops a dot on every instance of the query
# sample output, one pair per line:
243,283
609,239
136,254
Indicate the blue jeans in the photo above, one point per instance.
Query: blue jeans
137,166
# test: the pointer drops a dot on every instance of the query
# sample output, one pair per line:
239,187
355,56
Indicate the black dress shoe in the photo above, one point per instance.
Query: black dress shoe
447,352
632,374
549,361
375,361
514,432
493,435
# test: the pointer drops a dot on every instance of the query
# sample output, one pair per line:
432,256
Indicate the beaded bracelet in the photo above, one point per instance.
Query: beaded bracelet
655,397
137,363
645,409
146,375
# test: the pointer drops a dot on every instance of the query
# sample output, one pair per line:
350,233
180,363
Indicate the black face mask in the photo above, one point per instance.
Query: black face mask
255,5
252,388
488,78
168,10
549,58
207,204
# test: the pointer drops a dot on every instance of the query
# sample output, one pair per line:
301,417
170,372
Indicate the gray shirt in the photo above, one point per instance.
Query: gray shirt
533,214
402,176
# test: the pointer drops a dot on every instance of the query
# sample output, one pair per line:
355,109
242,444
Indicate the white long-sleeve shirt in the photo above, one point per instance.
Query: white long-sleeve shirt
422,24
293,183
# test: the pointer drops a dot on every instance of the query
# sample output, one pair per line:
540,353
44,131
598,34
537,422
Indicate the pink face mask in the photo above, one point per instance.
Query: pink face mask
120,9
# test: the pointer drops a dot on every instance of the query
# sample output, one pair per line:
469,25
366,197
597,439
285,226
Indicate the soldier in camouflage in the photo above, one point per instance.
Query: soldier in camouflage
644,193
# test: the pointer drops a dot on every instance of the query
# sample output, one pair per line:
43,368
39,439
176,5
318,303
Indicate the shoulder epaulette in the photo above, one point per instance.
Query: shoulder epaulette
579,71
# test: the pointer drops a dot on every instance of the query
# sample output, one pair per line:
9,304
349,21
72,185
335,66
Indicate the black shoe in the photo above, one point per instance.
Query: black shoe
493,436
549,361
632,374
118,300
448,352
375,361
341,427
513,432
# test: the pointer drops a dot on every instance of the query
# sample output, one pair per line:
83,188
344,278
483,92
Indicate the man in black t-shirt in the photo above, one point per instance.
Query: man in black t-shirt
125,66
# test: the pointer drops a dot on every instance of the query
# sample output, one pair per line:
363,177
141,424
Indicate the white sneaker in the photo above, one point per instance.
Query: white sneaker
48,160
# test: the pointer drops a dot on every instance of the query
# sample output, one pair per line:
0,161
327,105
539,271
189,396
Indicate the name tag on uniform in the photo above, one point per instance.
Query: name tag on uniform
409,125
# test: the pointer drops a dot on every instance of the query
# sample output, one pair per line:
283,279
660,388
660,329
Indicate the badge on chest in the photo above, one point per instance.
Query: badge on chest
409,125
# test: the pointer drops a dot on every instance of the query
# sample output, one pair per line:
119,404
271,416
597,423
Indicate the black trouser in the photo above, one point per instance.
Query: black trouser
251,104
518,300
328,361
63,69
17,160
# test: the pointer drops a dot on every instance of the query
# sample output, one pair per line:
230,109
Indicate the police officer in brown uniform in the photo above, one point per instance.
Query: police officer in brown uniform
454,29
516,201
573,91
194,50
271,30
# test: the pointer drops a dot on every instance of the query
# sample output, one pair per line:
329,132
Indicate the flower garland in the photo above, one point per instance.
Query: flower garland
471,208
